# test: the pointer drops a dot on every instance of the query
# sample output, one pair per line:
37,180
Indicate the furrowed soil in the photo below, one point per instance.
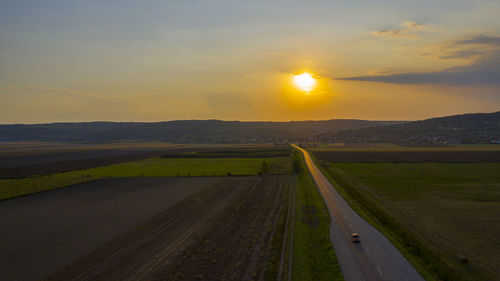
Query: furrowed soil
43,232
47,164
223,232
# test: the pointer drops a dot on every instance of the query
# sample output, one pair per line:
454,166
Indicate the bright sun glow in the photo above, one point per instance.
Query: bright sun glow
304,81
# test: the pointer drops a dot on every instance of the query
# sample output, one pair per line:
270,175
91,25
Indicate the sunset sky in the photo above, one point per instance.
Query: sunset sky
86,60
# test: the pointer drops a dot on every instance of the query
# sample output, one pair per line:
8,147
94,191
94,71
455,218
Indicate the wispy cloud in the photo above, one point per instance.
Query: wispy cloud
480,52
319,76
481,40
400,33
462,54
407,29
483,72
413,26
469,49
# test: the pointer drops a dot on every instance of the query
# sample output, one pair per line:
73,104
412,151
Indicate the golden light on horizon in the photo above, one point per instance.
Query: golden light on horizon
304,81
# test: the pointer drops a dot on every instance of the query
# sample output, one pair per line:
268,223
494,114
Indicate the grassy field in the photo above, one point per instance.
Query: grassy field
465,147
445,214
313,254
155,167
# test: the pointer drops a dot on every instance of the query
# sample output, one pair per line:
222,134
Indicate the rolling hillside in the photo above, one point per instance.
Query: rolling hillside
455,129
184,131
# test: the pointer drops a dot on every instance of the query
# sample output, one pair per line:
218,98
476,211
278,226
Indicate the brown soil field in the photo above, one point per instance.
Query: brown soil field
223,232
43,232
407,156
53,161
25,166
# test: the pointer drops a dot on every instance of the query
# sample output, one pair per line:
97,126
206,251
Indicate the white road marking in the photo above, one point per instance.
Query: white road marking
367,251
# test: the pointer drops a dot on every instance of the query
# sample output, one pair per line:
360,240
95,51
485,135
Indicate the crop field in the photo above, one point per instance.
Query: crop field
445,215
236,222
154,167
48,164
397,148
223,232
45,231
408,156
17,149
19,160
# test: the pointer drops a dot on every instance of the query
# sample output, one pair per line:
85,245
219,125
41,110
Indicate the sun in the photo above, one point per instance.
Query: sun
304,81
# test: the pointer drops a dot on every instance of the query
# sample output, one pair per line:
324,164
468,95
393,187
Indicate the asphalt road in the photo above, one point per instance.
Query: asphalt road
375,258
43,232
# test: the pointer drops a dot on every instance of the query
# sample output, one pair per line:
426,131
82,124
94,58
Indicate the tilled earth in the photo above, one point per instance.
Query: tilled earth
43,232
222,232
46,164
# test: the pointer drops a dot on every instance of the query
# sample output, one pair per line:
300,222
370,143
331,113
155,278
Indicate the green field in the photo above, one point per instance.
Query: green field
443,213
155,167
464,147
313,254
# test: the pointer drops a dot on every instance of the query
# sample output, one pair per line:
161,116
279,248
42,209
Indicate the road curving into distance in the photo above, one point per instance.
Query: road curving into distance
375,258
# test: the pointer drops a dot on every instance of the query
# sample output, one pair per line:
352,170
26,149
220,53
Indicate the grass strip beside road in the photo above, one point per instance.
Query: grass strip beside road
154,167
313,254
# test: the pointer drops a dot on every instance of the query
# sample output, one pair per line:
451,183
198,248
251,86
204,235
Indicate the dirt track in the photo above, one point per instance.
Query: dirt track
43,232
223,232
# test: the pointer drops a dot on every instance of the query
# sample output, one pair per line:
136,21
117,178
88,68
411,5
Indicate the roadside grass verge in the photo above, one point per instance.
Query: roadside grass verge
154,167
313,254
439,215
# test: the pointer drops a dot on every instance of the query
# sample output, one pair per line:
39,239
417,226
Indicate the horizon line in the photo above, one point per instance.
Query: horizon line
266,121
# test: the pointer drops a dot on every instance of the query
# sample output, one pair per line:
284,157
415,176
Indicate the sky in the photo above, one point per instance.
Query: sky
155,60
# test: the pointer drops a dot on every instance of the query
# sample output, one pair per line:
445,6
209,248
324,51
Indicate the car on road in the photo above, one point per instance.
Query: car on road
355,238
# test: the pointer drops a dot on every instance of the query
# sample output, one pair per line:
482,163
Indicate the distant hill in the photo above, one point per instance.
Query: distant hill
184,131
456,129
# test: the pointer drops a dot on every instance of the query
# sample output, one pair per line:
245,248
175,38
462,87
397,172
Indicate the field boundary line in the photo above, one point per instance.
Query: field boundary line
291,205
293,187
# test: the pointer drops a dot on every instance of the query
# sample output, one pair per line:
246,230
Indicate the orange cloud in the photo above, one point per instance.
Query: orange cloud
408,30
